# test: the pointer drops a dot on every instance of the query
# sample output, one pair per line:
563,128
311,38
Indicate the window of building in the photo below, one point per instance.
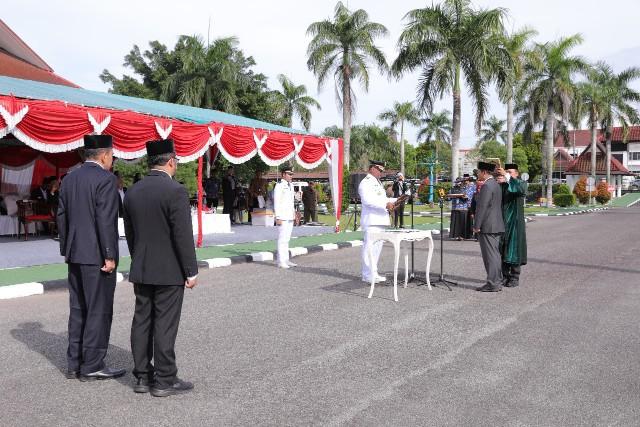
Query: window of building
634,155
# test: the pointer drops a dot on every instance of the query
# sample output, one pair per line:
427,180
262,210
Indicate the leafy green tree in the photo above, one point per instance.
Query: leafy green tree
293,100
437,126
400,113
549,89
493,130
344,47
450,42
533,152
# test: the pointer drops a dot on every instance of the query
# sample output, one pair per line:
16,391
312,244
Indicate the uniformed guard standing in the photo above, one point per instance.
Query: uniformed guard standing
87,220
284,210
157,220
375,216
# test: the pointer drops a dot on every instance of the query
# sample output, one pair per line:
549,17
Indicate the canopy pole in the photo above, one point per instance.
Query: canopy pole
199,242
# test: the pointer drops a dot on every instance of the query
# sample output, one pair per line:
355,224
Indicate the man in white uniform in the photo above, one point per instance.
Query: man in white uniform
285,213
375,217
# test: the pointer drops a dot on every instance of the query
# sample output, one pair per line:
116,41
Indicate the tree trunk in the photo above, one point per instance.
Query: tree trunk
402,147
594,134
455,137
608,134
510,130
549,144
346,118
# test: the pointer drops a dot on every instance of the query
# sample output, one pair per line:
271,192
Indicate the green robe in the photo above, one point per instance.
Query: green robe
514,244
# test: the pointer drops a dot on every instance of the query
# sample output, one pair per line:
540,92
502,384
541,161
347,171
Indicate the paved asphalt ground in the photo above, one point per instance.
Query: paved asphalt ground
306,347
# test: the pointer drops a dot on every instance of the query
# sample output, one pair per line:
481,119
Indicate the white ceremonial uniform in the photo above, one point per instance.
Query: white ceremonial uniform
374,218
285,212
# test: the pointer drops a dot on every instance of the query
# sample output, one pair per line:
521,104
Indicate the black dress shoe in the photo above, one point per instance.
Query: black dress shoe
179,387
104,374
71,374
489,288
143,385
511,284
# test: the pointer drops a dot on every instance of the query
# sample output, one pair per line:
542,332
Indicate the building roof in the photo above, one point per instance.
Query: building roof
88,98
582,165
18,60
561,160
14,67
582,137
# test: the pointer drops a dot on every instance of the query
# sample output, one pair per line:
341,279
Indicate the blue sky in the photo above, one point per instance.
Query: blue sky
79,39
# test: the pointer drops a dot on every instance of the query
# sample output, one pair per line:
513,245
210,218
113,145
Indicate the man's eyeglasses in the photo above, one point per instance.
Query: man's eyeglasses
289,173
380,169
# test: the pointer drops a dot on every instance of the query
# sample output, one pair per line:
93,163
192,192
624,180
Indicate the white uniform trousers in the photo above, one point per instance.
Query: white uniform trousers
371,269
284,235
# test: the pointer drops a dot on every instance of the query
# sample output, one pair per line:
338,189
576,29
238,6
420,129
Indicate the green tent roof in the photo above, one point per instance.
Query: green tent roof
89,98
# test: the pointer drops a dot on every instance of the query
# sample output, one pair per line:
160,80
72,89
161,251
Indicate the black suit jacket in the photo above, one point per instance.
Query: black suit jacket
488,213
88,215
157,221
37,194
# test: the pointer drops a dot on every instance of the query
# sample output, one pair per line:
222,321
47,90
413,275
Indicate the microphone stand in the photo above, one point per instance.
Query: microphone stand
413,277
441,278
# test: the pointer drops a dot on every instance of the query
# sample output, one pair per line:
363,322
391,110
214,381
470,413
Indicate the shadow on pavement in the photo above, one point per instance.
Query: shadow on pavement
53,348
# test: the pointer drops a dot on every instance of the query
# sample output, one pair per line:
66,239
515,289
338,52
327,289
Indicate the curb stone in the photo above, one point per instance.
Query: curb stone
26,289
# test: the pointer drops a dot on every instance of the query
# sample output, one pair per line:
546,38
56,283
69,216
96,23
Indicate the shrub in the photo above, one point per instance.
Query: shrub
602,193
562,189
580,190
564,200
322,195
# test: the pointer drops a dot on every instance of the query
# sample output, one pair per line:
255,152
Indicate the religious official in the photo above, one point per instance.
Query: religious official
514,241
87,220
489,226
157,220
284,210
375,217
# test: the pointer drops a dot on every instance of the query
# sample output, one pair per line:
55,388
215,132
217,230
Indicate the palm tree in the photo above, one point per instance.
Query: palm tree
450,42
400,113
344,47
436,127
549,89
617,107
493,130
590,96
293,100
517,46
208,77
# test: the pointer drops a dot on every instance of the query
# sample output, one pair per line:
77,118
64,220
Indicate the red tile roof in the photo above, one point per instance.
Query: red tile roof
561,160
582,165
583,137
13,67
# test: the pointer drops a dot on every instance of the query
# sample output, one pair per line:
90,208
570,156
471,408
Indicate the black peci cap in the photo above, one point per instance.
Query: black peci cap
93,142
163,146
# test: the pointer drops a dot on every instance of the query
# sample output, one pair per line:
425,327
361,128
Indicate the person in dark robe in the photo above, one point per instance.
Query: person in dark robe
229,193
87,220
514,244
157,221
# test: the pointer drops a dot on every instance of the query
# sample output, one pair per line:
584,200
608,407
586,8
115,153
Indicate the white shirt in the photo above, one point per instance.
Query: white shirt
283,201
374,202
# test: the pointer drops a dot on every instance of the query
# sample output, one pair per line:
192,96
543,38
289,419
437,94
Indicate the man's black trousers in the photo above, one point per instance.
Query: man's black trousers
154,330
90,312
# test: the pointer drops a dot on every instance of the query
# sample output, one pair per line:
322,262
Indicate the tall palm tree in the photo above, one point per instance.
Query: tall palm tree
400,113
450,42
516,44
590,96
436,127
617,107
493,130
549,89
344,47
293,100
208,77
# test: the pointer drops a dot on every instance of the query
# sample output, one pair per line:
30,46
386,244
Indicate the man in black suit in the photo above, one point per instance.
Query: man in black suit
157,220
229,193
489,225
88,226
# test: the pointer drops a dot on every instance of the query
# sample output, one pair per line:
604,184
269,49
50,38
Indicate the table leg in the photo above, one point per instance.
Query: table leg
396,253
373,278
429,256
406,268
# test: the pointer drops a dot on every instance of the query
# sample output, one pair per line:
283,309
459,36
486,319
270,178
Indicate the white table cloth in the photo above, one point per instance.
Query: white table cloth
9,226
396,237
